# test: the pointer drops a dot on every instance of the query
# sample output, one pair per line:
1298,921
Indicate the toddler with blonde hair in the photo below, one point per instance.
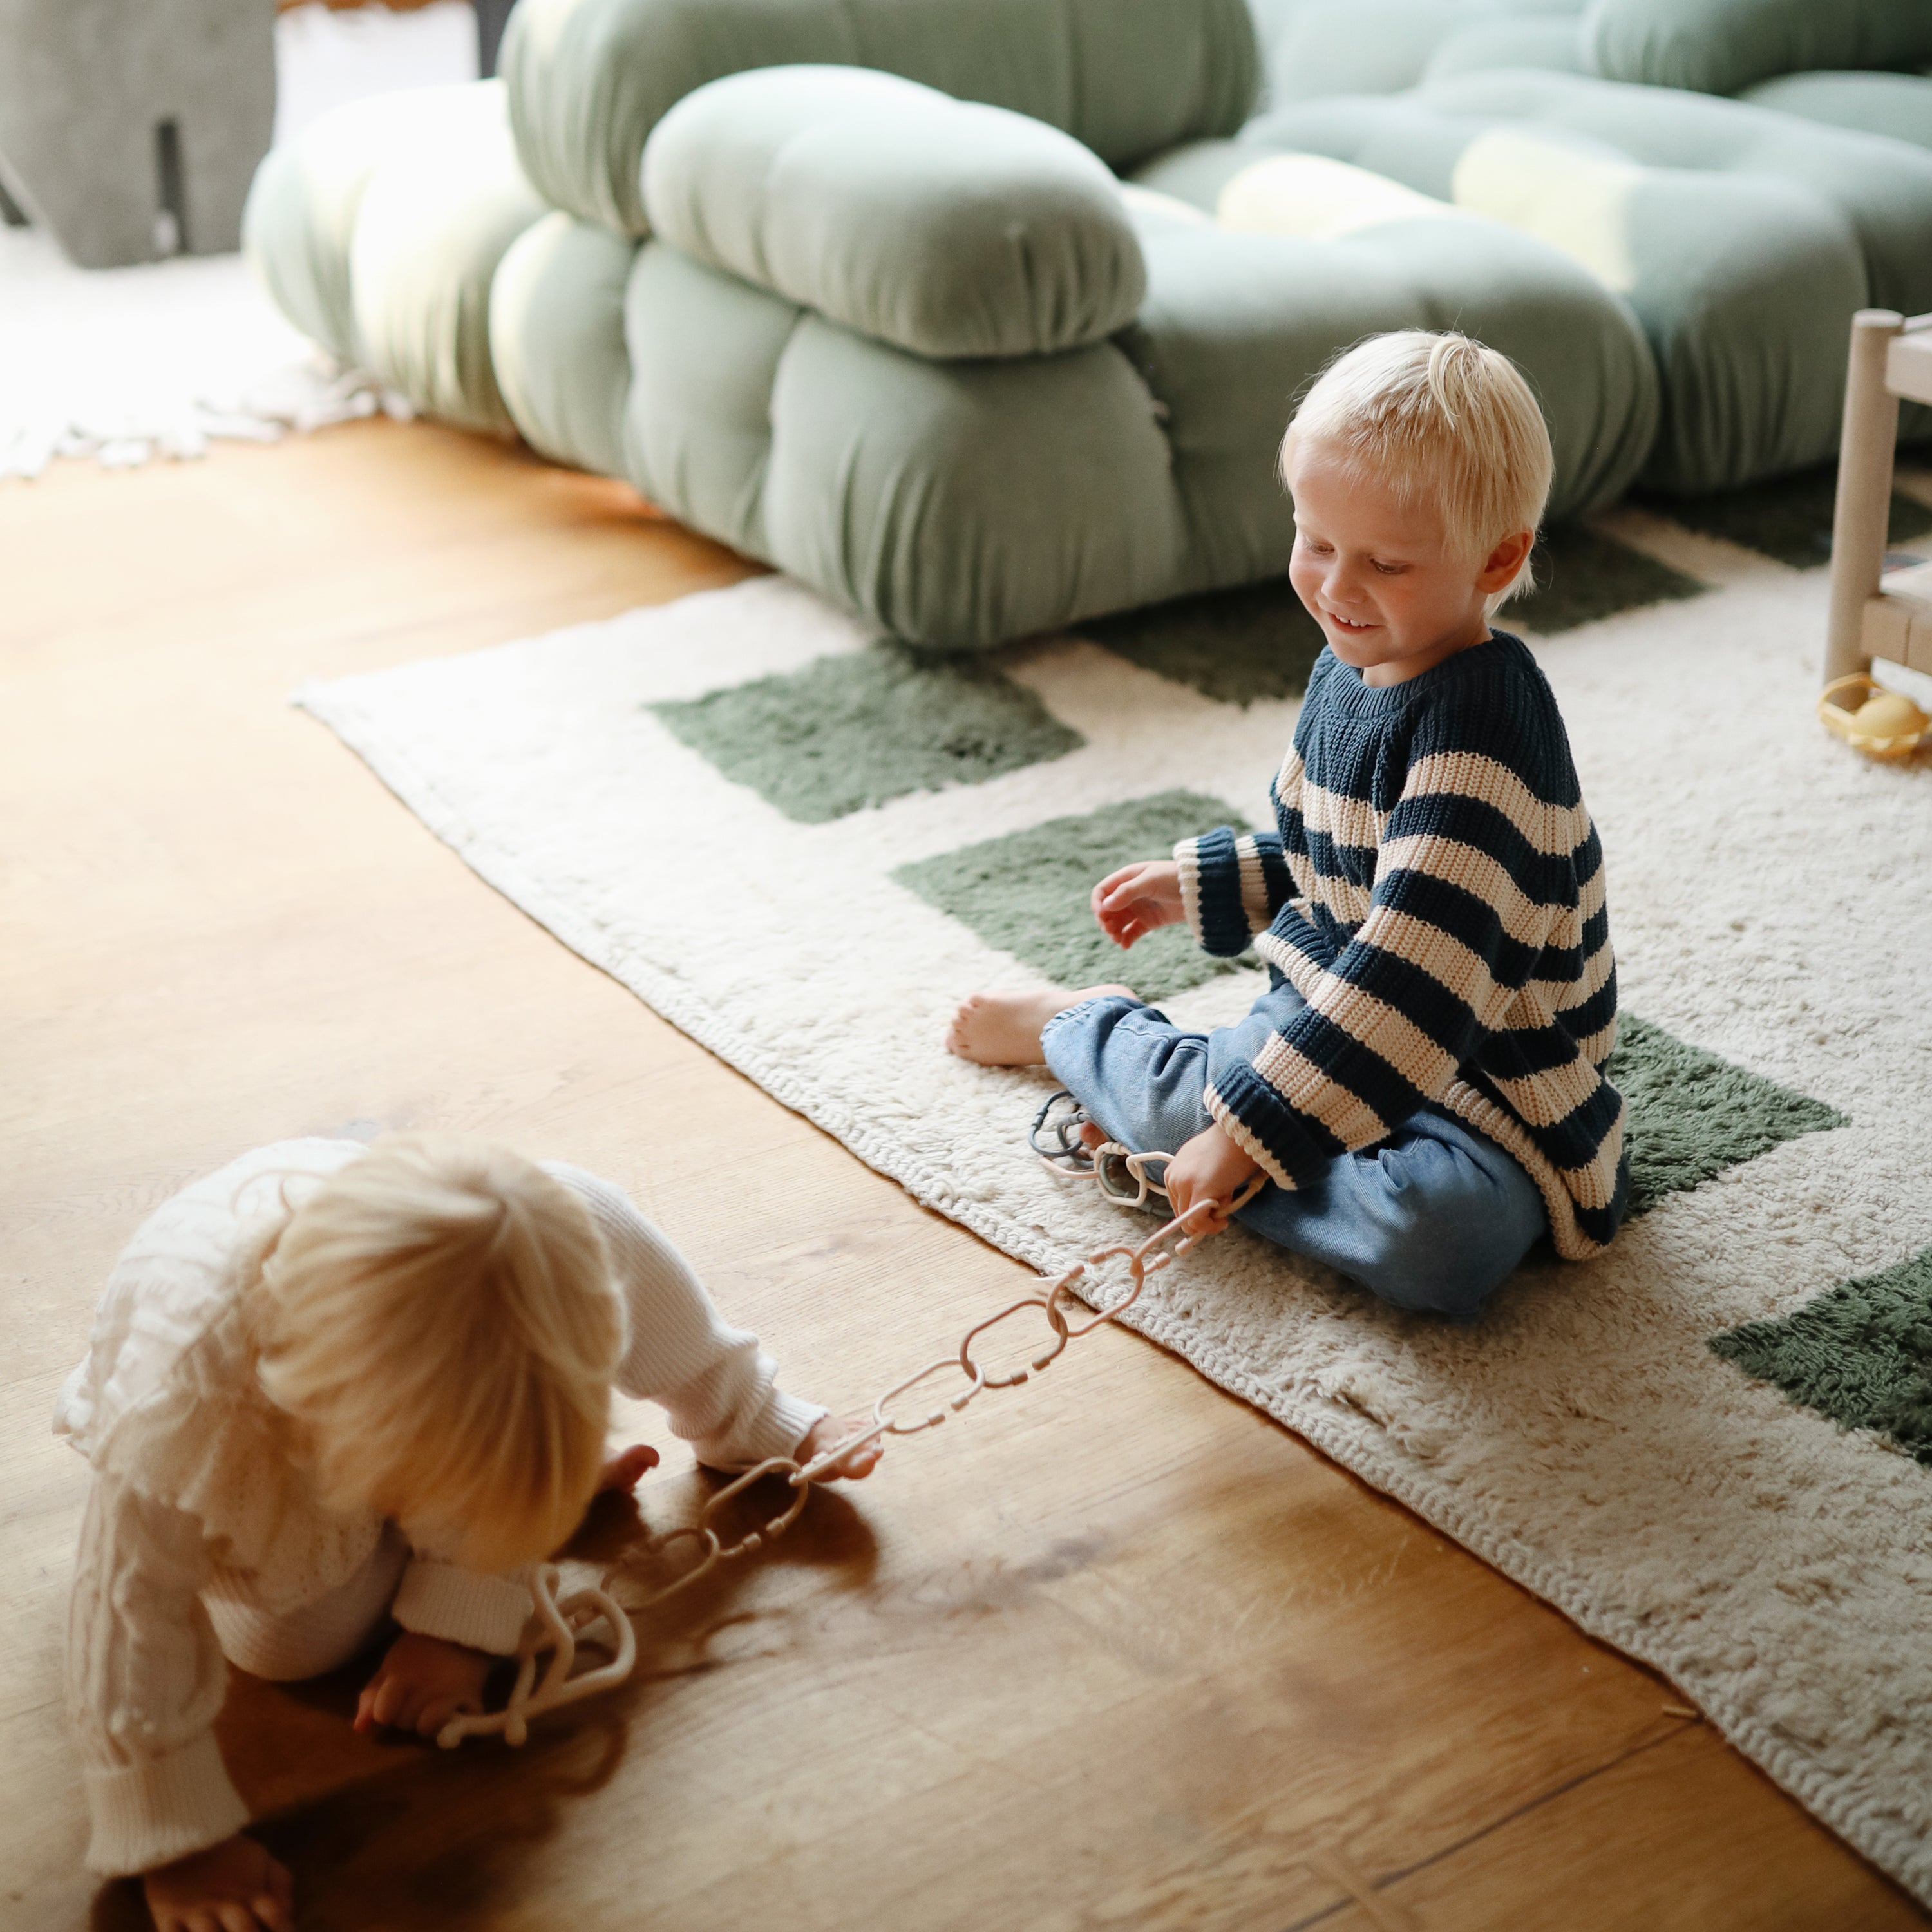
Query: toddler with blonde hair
333,1385
1422,1086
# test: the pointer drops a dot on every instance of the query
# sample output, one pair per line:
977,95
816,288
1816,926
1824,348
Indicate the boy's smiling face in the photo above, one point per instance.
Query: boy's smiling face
1377,573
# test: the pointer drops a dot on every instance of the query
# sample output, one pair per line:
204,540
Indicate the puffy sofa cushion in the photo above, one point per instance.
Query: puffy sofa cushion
944,227
1742,238
1896,104
1308,256
378,231
1719,46
589,80
1314,49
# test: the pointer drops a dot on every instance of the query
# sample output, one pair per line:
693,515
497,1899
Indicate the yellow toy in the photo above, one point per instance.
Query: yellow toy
1880,723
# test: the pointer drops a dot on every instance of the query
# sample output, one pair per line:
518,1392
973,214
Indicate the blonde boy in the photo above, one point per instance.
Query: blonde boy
1423,1084
330,1385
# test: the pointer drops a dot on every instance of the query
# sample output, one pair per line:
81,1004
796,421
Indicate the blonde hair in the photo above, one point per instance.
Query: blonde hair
439,1317
1440,417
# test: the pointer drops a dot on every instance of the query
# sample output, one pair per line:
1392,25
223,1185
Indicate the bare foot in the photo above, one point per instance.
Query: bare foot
1003,1029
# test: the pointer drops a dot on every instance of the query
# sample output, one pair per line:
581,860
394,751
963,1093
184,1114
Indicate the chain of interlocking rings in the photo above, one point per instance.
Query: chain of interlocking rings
561,1625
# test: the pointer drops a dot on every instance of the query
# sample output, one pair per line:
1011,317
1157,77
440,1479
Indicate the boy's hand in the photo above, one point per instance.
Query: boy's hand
1138,899
234,1886
1210,1167
422,1683
827,1430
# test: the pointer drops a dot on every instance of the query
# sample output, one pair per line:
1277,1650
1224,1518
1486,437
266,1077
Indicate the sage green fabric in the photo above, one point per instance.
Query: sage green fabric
945,227
556,341
1743,239
1718,47
1551,43
302,208
961,504
1860,1353
589,80
379,232
1882,195
704,349
1899,105
1236,326
1027,893
857,729
436,218
958,504
1315,49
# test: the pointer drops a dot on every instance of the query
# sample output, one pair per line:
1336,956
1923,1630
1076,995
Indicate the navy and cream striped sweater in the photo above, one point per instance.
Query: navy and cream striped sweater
1436,894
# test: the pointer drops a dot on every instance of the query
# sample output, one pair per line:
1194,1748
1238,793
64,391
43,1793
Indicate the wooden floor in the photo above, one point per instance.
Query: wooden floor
1114,1652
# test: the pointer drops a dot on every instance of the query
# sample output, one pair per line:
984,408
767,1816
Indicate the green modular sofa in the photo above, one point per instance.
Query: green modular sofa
984,316
1857,64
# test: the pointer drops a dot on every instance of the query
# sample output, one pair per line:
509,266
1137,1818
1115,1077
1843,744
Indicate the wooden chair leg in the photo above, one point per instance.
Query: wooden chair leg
1864,505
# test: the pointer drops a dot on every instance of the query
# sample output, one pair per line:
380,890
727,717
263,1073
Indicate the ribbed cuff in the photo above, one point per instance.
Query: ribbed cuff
463,1606
1251,1108
780,1426
156,1809
1211,891
1187,863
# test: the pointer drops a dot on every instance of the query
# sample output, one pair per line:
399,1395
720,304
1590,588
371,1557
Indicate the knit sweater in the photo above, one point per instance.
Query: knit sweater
197,1493
1435,891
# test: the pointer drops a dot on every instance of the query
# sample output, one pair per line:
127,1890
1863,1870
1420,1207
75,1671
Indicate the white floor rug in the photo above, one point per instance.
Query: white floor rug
1769,901
123,365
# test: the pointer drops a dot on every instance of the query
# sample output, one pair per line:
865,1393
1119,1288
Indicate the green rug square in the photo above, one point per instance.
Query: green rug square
1861,1354
1233,646
1788,518
1029,893
1693,1113
1582,575
859,727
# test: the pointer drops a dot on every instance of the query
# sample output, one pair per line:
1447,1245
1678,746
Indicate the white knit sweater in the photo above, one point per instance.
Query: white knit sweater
196,1489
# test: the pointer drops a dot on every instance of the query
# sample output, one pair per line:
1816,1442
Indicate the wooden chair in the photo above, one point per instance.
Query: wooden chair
1873,615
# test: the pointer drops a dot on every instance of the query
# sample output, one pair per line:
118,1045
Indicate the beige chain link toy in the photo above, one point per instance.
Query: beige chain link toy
559,1626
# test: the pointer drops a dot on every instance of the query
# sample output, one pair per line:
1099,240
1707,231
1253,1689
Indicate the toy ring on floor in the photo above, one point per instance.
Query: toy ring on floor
1880,723
1127,1178
558,1627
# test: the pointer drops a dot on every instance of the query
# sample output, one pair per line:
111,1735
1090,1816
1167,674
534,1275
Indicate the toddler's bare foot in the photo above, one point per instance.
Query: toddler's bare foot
1003,1029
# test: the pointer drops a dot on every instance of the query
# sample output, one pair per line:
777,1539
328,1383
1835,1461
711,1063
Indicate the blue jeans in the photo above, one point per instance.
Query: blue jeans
1434,1217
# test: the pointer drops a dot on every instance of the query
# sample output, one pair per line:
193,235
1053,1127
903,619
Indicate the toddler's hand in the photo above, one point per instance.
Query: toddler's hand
1210,1167
422,1683
827,1430
1138,899
624,1471
229,1886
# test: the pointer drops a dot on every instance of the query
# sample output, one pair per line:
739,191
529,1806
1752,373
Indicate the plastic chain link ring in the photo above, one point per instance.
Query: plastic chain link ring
1123,1176
558,1627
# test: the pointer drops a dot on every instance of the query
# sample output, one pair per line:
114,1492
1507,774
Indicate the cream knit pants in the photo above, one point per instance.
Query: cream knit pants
316,1637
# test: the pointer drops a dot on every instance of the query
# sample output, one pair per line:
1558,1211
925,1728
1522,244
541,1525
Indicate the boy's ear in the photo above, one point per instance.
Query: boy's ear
1505,560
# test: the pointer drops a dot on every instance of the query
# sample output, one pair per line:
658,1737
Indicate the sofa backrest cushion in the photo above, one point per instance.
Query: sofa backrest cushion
1718,47
589,80
943,226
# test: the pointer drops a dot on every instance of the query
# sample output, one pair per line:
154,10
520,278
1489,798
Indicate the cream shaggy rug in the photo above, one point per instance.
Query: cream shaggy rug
125,365
1768,898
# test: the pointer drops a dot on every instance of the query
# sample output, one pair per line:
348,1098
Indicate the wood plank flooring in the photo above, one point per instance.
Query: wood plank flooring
1114,1652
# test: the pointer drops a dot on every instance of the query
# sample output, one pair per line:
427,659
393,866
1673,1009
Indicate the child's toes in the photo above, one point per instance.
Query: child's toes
959,1034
